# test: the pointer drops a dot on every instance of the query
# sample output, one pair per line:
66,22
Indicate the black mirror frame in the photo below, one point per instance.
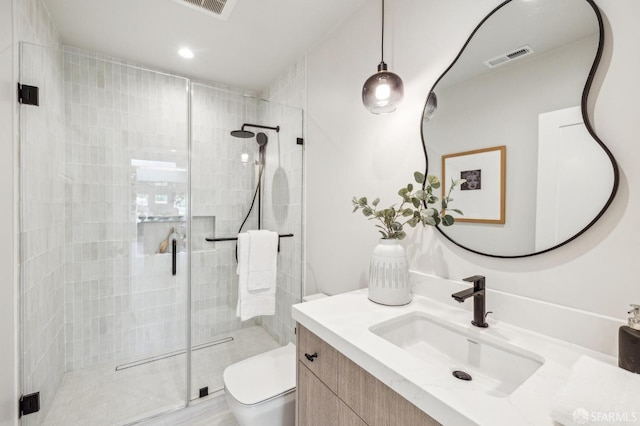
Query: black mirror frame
585,116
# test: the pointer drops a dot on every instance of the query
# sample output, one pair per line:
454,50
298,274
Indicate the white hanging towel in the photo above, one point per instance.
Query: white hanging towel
263,260
257,263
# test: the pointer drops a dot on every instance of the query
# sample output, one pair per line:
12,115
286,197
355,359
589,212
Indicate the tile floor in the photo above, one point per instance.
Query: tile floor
101,396
211,412
223,419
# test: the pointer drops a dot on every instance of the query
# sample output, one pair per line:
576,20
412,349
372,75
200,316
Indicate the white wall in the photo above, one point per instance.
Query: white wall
352,152
8,287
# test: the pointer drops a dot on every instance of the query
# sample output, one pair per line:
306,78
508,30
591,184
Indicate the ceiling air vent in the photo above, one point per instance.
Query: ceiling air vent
219,8
509,56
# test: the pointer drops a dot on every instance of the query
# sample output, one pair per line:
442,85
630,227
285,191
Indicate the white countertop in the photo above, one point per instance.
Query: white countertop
343,321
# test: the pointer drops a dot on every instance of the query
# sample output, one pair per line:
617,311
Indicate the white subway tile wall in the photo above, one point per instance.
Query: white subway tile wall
42,194
283,193
126,128
135,113
222,190
43,226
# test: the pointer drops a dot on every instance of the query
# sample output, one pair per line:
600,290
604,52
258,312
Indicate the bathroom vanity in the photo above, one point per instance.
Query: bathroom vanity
333,390
360,363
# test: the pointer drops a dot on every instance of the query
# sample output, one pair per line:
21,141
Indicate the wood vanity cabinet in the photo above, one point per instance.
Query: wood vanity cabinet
335,391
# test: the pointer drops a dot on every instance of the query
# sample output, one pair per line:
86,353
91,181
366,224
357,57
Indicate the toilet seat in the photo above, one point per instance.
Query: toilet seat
263,377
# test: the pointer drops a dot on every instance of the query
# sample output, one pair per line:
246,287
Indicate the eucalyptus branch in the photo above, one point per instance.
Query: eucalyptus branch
417,212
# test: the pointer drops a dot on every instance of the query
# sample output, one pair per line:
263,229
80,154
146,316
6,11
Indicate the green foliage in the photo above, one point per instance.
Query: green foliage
414,210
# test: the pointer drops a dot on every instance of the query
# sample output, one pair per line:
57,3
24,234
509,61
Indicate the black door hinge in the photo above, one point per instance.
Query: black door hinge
300,141
29,404
28,95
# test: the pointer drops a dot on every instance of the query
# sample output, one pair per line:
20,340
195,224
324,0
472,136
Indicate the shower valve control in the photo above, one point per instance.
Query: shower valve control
311,357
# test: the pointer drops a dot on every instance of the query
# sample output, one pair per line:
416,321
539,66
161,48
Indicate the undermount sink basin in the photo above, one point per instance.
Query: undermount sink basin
496,367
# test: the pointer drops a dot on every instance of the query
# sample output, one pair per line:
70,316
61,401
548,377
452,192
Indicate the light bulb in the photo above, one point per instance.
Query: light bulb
186,53
383,91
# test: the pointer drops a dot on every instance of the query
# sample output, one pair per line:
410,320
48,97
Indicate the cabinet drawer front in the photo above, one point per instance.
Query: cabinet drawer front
403,412
366,395
373,401
319,357
346,417
317,405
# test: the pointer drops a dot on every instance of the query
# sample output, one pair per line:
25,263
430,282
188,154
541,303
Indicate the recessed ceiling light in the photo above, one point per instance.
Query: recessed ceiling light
185,53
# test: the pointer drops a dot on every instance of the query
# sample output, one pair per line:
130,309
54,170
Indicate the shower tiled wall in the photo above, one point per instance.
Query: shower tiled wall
97,288
123,125
42,180
222,190
42,196
291,87
223,187
118,309
283,193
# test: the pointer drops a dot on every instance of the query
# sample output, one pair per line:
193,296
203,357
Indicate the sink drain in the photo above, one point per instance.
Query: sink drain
462,375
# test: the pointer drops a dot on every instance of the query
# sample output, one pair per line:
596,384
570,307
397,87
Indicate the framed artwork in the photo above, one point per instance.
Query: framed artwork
482,197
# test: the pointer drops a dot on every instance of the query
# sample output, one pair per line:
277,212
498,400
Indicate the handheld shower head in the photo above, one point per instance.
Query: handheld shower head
262,139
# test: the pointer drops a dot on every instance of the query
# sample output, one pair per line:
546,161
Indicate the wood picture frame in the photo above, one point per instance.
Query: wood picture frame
482,198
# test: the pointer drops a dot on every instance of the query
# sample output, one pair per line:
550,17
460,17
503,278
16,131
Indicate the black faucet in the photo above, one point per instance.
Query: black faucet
478,299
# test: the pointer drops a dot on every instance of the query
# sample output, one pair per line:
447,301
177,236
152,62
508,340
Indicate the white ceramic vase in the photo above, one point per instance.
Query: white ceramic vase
389,274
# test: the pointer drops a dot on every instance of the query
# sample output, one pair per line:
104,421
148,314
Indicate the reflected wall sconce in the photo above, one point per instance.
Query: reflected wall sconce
383,91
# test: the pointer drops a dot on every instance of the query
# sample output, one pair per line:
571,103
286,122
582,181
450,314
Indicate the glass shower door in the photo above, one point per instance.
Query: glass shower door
104,230
225,200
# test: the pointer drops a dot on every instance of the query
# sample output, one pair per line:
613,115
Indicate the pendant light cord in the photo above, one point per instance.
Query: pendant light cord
382,42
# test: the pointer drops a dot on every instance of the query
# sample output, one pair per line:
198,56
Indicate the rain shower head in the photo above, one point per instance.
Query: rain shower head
242,133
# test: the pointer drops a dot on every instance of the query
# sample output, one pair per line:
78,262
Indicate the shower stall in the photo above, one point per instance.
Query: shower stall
132,192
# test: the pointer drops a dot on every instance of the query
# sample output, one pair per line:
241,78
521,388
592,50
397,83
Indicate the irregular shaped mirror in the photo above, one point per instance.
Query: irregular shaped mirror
509,115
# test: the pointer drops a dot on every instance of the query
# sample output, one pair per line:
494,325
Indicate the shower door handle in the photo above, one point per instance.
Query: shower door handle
174,246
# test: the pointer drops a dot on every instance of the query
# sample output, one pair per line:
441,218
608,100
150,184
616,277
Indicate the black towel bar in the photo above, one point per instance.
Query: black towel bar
213,240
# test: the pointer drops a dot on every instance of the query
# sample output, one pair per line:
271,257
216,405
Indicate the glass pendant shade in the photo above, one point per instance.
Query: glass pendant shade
383,91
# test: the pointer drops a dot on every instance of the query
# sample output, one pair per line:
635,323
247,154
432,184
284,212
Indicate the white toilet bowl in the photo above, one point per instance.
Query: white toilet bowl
260,390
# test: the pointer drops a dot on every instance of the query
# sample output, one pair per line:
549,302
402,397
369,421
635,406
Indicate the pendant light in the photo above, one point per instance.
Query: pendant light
383,91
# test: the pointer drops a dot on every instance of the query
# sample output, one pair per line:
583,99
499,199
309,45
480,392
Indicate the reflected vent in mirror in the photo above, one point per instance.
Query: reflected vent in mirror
219,8
509,56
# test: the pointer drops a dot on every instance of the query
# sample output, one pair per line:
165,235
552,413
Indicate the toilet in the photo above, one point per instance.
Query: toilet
260,390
